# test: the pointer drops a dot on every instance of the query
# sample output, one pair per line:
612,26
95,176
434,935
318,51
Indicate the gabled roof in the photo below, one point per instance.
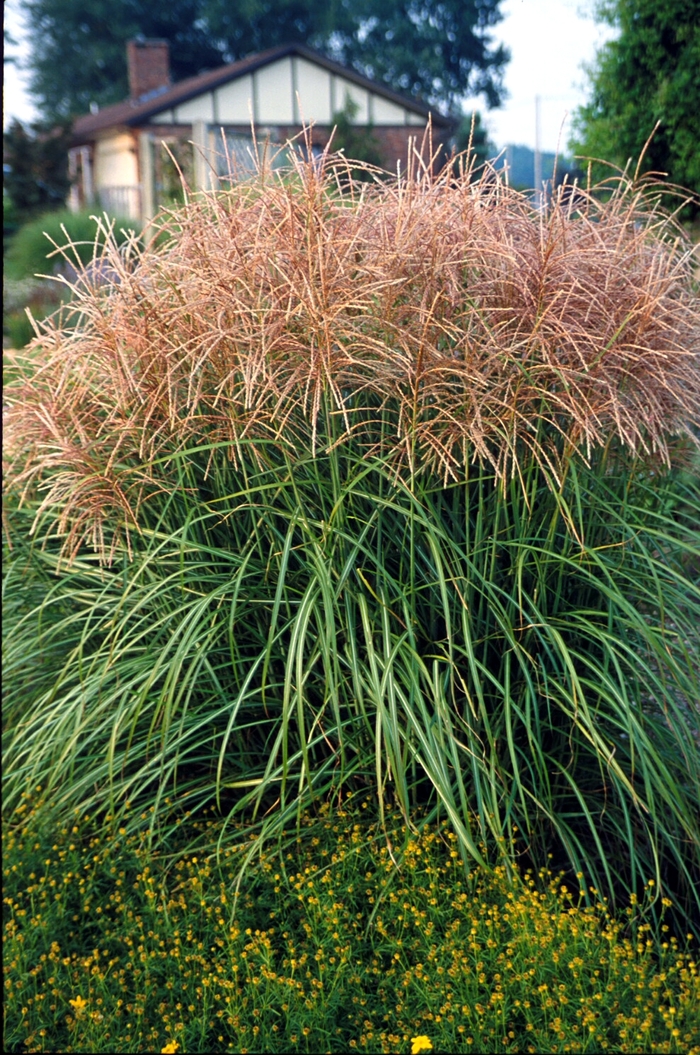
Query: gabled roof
134,112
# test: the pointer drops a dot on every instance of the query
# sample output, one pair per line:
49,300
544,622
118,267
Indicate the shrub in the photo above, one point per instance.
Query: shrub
49,242
377,489
40,296
58,244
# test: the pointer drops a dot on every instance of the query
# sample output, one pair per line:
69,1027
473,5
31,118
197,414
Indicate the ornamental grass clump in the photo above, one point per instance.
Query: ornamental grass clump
382,485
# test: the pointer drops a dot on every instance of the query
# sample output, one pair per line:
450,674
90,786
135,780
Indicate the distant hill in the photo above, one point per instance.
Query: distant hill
521,166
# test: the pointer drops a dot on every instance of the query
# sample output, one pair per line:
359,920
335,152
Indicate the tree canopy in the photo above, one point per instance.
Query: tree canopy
437,50
78,48
650,73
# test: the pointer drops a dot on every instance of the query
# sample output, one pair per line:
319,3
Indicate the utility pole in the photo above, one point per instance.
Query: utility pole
538,156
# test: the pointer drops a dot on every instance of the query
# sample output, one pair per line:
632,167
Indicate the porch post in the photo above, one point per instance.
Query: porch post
146,173
202,156
88,186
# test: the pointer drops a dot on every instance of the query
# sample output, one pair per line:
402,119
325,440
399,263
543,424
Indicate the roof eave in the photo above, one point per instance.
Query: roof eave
179,94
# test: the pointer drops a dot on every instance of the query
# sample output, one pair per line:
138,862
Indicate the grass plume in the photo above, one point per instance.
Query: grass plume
437,321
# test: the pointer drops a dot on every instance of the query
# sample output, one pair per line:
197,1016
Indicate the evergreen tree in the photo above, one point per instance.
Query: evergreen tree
36,167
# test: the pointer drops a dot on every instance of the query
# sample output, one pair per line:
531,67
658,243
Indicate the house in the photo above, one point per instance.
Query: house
119,158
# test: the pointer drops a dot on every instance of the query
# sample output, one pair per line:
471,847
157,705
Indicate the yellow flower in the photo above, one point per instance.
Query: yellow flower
170,1048
79,1004
419,1044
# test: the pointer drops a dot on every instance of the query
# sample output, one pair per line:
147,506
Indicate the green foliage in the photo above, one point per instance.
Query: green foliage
37,175
57,244
441,52
78,48
47,243
41,297
334,492
10,219
440,642
350,936
650,73
472,136
357,143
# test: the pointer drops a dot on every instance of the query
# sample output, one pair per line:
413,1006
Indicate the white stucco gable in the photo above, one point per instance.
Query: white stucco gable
291,90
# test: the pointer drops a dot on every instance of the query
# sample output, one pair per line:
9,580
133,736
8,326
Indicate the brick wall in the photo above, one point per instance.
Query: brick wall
148,62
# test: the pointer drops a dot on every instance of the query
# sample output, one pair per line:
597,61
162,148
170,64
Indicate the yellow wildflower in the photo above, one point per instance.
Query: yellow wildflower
79,1004
419,1044
170,1048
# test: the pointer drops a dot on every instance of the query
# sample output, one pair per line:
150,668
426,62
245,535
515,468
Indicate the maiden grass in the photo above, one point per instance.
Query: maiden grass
387,491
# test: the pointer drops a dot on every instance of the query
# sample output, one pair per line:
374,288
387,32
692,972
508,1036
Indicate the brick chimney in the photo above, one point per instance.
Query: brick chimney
149,66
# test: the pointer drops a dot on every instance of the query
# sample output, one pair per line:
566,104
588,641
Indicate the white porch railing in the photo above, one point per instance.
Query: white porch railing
121,201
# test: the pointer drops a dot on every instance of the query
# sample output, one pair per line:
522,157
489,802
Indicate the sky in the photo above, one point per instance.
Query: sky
15,100
548,39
